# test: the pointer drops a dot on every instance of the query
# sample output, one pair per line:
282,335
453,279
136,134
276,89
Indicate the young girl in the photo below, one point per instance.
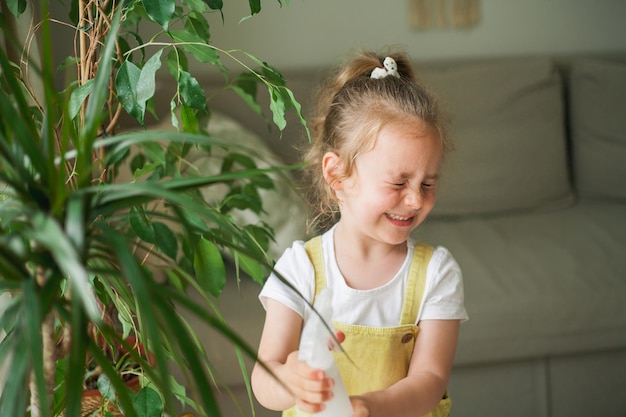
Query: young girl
378,144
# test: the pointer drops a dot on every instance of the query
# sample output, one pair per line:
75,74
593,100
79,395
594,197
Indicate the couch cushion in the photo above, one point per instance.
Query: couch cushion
598,123
539,284
507,125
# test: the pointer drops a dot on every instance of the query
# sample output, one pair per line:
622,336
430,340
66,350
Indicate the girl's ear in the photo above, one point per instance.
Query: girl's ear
332,169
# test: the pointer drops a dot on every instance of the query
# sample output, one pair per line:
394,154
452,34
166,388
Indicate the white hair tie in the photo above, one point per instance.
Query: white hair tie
389,68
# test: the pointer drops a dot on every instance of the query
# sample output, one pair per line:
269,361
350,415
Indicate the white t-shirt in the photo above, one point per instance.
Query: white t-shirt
378,307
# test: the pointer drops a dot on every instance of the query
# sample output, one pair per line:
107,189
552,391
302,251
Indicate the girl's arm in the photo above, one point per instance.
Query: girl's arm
301,385
426,382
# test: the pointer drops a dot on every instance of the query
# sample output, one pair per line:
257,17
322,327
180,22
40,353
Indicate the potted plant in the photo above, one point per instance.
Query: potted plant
77,243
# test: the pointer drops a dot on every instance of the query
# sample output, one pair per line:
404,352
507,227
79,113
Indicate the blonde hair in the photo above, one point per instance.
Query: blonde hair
351,110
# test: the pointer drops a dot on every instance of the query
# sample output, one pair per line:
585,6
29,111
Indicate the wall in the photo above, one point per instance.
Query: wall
319,32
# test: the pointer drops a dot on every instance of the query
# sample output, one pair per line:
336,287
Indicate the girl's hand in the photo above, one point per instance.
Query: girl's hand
309,385
340,336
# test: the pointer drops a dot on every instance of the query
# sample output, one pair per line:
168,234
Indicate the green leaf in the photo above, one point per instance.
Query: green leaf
209,267
13,396
197,47
154,152
137,162
255,6
165,239
173,117
252,268
160,11
105,387
17,7
198,6
17,114
281,97
192,357
272,75
51,236
191,91
242,200
277,106
147,78
78,96
261,235
176,61
125,46
287,93
263,181
140,224
136,86
214,4
237,158
127,323
246,87
148,403
75,221
126,81
198,25
174,279
189,119
60,375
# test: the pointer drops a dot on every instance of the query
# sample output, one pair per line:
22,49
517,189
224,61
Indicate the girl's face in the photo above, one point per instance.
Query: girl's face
392,188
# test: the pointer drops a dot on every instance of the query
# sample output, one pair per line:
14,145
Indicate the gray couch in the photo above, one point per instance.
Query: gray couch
533,207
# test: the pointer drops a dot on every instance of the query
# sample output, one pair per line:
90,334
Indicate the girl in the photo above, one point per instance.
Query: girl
378,144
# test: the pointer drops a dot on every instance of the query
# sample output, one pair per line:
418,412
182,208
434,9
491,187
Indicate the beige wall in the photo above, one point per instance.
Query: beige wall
319,32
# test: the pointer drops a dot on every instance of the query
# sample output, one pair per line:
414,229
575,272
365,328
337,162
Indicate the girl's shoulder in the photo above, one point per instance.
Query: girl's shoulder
294,255
441,266
442,258
441,254
292,280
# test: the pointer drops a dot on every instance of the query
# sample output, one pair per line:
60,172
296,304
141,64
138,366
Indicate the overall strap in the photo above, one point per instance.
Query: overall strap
416,283
313,248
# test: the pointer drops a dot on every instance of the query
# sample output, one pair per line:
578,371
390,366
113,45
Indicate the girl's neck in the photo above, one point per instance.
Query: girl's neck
366,263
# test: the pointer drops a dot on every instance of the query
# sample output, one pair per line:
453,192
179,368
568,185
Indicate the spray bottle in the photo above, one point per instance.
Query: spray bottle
315,352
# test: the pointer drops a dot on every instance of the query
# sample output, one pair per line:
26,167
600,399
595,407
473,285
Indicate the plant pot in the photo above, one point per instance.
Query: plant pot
93,401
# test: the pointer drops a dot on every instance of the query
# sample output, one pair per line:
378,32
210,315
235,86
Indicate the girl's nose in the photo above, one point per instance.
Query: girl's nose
413,198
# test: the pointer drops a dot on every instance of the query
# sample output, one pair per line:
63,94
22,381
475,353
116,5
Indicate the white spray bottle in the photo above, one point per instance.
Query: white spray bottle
315,352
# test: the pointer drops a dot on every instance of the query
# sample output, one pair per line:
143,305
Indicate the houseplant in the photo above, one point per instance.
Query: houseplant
74,238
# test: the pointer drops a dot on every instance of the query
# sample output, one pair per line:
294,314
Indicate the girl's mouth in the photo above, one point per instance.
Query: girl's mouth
400,220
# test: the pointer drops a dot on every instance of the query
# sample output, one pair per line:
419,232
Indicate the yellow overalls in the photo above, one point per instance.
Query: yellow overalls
381,355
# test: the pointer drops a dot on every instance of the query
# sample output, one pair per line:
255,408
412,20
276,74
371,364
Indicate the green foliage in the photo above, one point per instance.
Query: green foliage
148,403
88,259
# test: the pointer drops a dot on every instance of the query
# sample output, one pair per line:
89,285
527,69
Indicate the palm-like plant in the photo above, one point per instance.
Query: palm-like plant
75,240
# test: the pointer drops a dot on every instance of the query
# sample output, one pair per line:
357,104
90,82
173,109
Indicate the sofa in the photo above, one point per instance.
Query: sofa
532,205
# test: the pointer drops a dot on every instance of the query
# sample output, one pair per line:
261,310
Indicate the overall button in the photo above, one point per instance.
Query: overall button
407,338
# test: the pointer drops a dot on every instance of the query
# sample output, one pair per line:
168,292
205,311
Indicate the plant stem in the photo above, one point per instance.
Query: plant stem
49,358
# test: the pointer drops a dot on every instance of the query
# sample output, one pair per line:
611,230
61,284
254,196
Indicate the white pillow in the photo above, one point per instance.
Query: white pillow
286,210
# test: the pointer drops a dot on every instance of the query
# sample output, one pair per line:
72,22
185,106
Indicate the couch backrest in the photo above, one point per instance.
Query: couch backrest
597,103
509,123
